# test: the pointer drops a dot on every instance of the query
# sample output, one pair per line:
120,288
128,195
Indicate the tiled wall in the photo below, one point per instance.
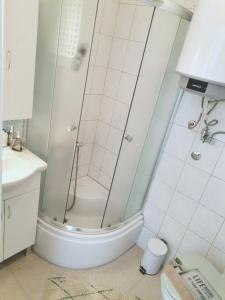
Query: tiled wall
186,201
118,46
190,4
18,125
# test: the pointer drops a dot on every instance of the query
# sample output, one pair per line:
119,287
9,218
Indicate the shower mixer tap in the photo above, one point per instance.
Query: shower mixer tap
206,135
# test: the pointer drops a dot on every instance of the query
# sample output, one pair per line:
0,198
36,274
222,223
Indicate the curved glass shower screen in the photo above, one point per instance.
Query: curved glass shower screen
60,112
99,107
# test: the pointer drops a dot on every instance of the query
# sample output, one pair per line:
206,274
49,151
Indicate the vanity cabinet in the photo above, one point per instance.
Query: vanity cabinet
19,216
20,222
20,39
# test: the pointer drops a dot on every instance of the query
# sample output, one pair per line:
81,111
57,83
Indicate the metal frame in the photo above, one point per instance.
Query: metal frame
88,231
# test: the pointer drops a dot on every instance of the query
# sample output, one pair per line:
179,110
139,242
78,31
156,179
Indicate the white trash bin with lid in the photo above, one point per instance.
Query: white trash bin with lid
153,257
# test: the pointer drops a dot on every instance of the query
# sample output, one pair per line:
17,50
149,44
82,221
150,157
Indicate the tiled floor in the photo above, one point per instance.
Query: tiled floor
23,278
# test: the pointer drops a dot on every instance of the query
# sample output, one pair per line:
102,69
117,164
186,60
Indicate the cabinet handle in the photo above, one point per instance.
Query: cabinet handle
8,60
9,212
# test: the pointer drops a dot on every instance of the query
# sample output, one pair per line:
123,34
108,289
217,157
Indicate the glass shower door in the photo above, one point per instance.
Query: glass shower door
129,184
74,44
167,100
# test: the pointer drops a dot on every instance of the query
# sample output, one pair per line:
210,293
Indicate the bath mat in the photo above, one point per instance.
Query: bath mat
61,288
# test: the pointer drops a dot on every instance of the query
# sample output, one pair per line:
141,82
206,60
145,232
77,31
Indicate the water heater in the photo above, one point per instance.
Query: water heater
202,60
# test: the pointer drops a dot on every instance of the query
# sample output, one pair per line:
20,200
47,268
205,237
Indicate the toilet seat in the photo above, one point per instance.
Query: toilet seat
192,262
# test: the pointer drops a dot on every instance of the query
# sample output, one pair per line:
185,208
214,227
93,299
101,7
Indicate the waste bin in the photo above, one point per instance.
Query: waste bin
153,257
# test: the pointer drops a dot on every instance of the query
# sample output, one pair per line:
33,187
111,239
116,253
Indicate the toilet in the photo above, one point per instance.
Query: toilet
215,280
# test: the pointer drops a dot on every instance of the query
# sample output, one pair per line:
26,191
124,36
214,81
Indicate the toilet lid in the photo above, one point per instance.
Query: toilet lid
193,262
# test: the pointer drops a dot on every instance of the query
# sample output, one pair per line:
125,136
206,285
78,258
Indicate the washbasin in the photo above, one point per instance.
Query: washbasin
18,166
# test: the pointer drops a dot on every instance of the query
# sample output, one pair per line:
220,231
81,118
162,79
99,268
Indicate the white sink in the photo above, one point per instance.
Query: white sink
18,166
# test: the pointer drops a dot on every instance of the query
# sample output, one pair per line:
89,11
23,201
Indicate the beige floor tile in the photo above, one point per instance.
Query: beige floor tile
148,288
121,274
19,260
28,277
9,287
33,278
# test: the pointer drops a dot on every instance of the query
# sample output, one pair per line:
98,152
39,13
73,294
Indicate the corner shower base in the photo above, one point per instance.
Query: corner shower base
82,249
90,204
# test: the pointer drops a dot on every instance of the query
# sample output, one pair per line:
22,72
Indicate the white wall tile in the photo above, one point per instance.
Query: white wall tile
189,4
103,51
172,232
102,134
88,132
153,218
192,182
112,83
120,115
97,156
91,107
193,244
133,57
126,88
169,170
109,163
94,172
179,142
189,109
98,80
220,239
210,154
213,197
107,109
117,54
181,208
217,258
105,180
219,170
85,154
82,171
145,235
109,17
114,140
206,223
160,194
141,23
124,20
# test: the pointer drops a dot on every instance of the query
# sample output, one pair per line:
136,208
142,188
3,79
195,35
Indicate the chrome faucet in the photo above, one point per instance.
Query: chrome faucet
206,135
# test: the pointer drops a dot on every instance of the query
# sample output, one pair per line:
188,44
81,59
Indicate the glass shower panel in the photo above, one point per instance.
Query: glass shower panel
46,59
159,46
157,130
74,44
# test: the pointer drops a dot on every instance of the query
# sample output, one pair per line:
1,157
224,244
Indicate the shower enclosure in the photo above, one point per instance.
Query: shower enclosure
105,91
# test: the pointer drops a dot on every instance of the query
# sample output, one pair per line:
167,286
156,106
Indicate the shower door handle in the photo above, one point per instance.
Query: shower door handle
71,128
129,138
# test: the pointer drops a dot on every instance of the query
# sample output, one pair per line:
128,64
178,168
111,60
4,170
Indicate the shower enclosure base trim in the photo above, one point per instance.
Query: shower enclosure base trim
85,250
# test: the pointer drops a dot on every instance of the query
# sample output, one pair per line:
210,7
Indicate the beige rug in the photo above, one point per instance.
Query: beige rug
61,288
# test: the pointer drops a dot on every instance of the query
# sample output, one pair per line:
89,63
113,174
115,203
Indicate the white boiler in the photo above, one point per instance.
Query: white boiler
202,61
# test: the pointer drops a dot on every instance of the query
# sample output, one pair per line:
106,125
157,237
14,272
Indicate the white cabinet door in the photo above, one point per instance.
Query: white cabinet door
20,222
21,18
